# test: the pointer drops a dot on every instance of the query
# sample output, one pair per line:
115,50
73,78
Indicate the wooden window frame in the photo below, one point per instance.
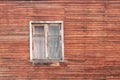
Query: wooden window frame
31,37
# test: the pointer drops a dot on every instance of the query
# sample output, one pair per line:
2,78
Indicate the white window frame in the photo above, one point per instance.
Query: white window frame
46,22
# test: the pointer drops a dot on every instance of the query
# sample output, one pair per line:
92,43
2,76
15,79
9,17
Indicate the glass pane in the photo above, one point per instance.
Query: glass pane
54,48
39,47
53,29
39,30
39,42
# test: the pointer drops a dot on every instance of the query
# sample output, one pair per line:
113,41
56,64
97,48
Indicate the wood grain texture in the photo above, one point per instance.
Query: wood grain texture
91,37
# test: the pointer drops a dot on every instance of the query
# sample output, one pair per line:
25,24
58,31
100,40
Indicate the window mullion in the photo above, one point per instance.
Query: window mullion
46,41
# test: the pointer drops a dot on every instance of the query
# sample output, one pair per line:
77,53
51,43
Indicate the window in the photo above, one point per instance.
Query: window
46,41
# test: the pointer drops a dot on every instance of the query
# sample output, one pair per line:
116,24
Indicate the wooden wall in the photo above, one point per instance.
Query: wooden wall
91,33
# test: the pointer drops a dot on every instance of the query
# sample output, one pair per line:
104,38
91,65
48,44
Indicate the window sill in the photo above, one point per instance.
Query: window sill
49,62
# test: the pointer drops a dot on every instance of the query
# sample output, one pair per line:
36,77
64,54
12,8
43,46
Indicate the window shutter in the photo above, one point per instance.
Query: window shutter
54,46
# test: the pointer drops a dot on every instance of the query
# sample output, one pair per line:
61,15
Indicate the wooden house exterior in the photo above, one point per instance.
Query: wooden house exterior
91,39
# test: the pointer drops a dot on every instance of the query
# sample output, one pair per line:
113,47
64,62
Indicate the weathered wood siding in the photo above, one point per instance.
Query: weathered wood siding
91,37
